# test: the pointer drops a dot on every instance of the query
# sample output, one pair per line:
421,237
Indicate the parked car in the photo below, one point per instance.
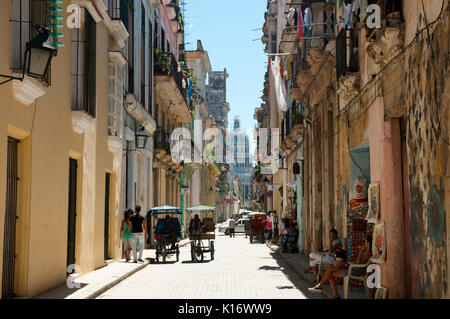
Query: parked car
239,228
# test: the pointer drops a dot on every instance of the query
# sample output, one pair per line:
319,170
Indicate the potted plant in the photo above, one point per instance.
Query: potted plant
298,118
162,61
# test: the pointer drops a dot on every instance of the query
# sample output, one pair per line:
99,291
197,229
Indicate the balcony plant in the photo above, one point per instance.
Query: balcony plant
162,61
297,118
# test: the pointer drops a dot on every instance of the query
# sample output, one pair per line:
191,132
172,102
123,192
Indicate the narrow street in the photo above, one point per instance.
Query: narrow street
239,270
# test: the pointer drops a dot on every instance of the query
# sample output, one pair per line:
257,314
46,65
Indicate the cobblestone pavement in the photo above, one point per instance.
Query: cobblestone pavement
240,270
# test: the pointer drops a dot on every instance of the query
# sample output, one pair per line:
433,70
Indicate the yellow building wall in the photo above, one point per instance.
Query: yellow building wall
44,153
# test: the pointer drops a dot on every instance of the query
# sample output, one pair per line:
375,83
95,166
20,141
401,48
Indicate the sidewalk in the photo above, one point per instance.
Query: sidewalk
98,281
299,262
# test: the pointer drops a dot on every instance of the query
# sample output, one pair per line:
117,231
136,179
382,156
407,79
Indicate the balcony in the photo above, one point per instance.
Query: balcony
292,128
347,53
169,86
162,141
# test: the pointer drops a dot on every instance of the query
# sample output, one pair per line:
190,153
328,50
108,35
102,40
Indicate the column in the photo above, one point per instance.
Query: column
132,174
386,168
285,188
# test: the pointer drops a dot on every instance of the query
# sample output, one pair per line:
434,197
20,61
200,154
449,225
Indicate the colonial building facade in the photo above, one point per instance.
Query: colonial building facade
366,132
90,137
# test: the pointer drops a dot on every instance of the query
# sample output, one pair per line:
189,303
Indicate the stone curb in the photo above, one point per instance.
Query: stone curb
299,272
94,290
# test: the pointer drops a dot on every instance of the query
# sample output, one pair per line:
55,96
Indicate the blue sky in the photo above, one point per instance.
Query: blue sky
226,30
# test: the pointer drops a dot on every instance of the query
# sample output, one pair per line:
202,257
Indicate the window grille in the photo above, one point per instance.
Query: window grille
84,66
150,68
26,14
114,9
143,56
115,99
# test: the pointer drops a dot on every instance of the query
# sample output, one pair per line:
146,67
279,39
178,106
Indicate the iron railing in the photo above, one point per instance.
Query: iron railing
347,45
162,140
9,242
84,70
26,15
294,116
166,64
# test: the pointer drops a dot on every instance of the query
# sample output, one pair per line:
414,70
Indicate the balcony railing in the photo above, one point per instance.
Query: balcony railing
162,140
166,64
294,116
347,53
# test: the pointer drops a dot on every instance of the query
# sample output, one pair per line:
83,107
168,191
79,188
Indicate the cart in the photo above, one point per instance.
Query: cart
163,242
199,247
258,221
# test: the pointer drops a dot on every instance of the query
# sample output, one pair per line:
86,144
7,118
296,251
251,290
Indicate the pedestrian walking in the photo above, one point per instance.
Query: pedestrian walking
269,227
125,233
231,225
137,233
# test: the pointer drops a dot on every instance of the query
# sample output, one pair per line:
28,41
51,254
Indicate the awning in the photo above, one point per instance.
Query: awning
165,210
201,207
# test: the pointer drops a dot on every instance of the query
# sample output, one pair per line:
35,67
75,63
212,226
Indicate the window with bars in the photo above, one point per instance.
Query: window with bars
150,69
156,31
113,8
143,46
115,99
26,14
127,16
84,66
163,37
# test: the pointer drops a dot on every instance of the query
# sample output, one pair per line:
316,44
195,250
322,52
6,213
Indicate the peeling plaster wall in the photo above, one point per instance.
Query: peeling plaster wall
427,98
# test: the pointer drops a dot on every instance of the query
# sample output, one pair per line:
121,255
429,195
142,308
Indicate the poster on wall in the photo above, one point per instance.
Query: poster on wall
374,203
379,243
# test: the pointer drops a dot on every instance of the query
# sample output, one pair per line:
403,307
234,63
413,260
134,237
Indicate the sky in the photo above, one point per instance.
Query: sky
226,31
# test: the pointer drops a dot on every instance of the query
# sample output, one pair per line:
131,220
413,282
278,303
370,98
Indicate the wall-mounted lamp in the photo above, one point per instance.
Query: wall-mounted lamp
38,56
141,137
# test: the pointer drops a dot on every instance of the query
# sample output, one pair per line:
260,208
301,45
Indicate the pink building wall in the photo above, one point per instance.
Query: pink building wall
386,168
164,23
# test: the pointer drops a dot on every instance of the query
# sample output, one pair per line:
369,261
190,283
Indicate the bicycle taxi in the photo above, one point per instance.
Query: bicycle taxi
164,246
258,221
202,236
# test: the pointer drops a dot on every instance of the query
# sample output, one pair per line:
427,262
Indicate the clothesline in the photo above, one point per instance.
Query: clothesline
308,25
309,38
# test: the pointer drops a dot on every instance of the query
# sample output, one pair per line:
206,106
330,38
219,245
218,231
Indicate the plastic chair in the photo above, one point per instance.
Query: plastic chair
362,278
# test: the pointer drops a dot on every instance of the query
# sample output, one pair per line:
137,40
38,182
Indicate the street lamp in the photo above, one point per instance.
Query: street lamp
141,138
38,55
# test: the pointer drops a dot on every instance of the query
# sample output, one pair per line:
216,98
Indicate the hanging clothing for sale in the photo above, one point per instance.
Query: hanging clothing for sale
337,8
278,84
348,16
190,88
362,8
291,17
300,31
289,67
308,18
295,18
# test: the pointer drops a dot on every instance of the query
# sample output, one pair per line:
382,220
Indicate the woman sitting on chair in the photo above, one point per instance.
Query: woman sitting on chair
339,268
327,258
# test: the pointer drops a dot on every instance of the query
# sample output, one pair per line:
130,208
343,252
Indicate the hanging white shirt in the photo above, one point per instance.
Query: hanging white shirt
278,84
